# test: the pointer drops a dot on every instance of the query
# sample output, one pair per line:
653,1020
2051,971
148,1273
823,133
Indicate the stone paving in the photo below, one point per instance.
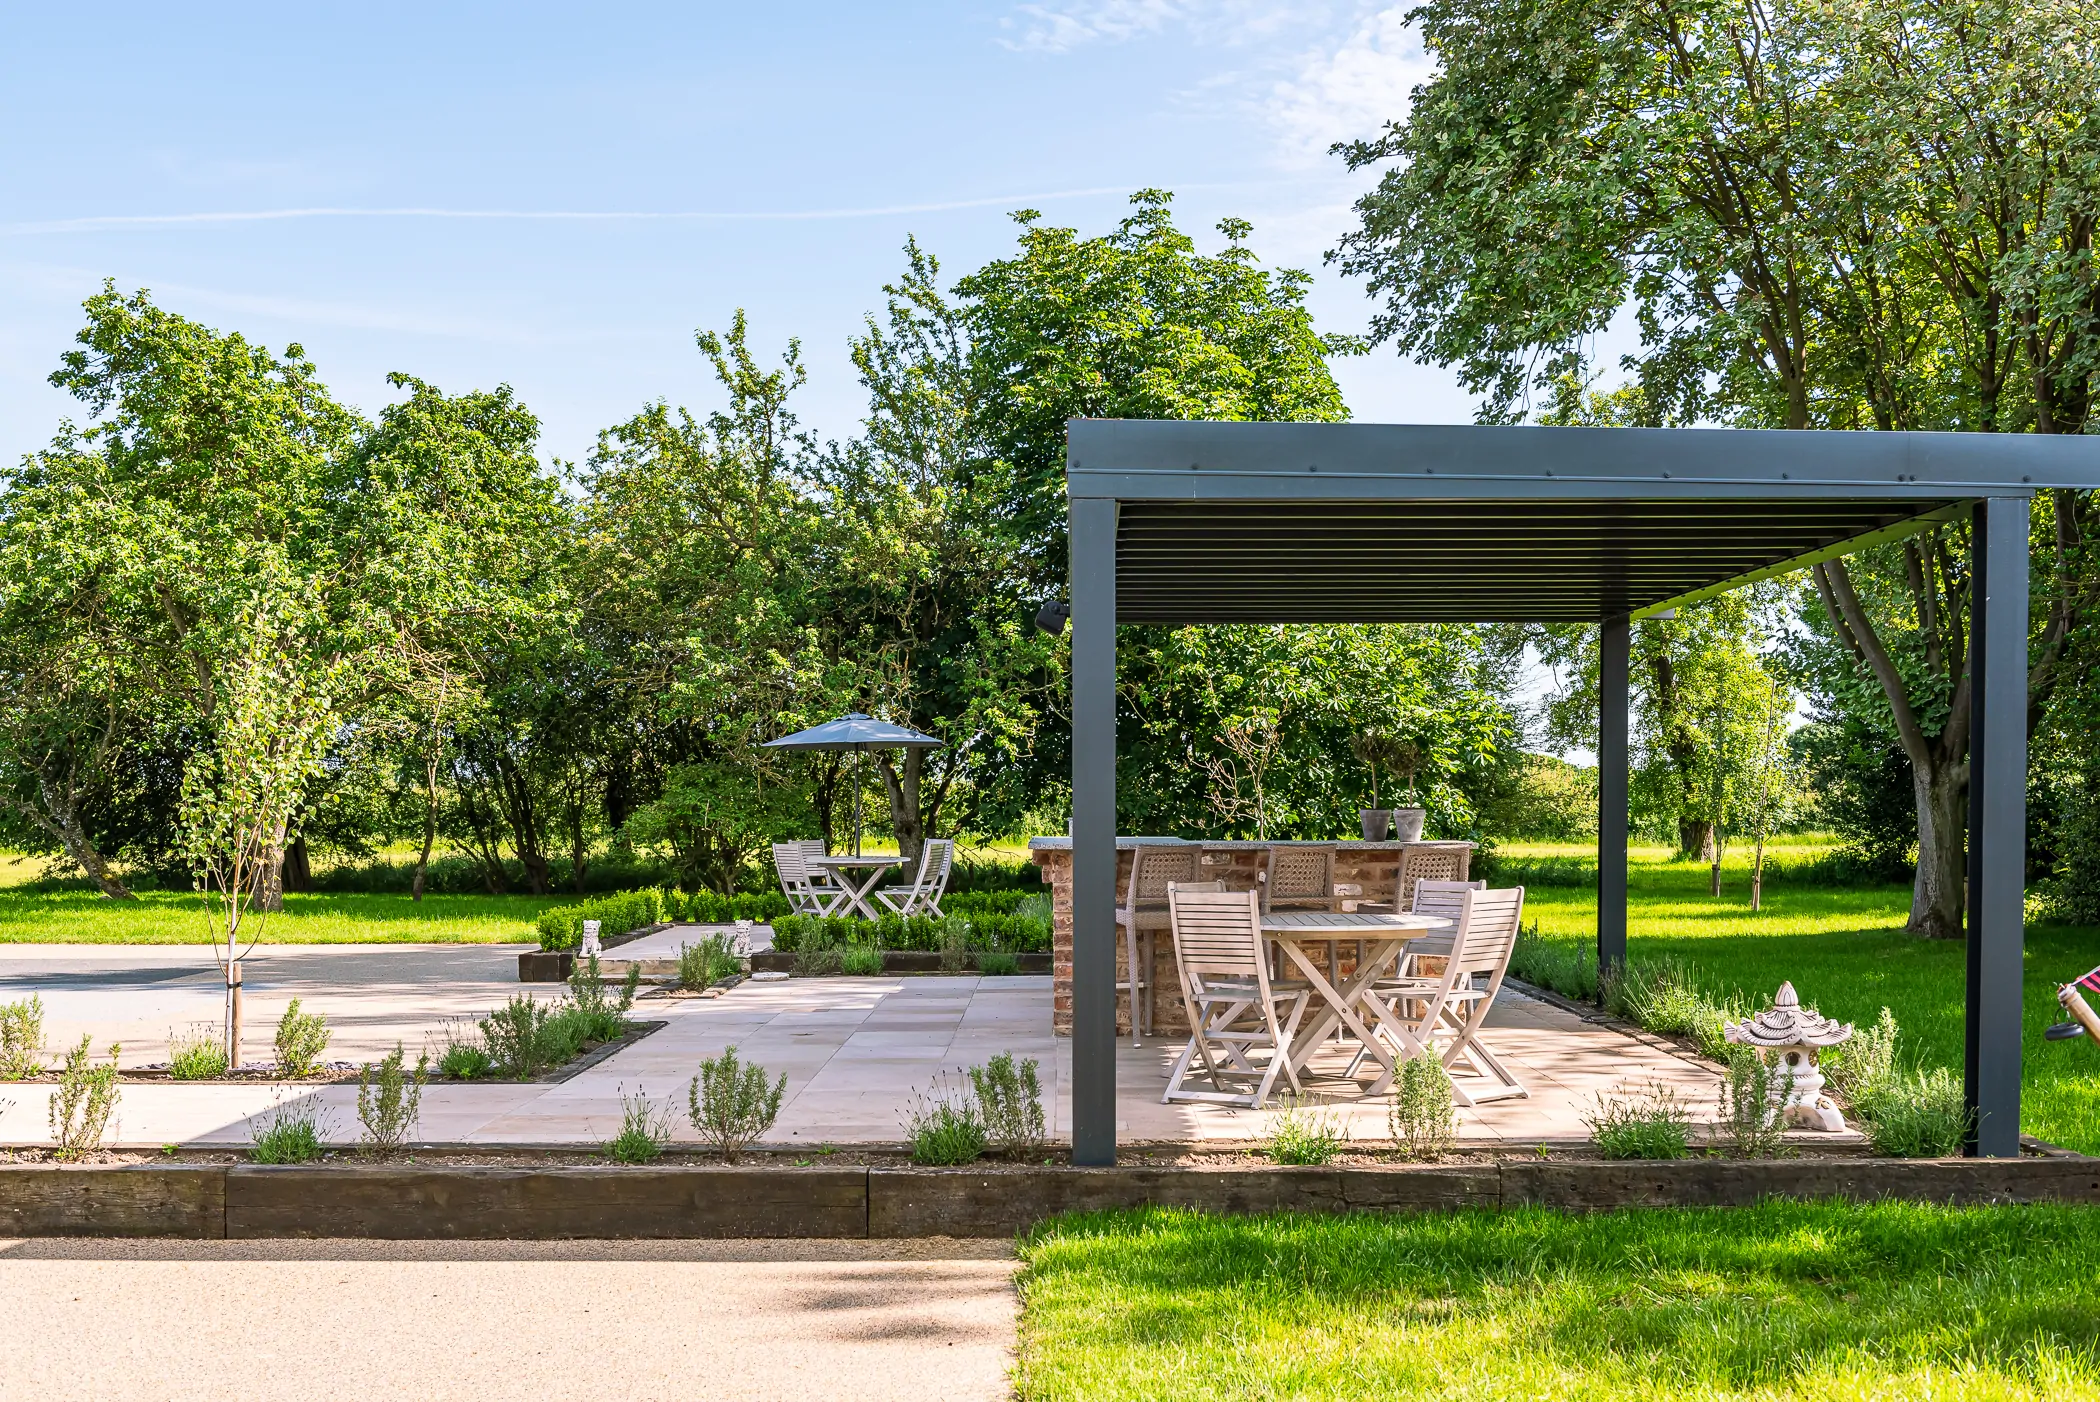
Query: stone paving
855,1052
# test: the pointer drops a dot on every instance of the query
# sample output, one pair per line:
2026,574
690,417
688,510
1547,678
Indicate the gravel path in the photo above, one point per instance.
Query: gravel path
162,1321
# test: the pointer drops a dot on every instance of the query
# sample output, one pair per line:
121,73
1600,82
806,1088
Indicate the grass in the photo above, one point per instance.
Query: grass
1779,1301
1845,952
171,917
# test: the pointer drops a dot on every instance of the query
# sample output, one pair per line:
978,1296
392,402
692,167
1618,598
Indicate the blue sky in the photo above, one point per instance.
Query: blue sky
557,196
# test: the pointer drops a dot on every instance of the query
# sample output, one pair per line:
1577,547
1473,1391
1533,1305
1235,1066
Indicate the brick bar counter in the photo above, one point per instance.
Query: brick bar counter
1375,866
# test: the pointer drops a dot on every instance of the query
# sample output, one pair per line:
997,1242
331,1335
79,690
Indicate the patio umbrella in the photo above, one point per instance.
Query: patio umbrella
859,734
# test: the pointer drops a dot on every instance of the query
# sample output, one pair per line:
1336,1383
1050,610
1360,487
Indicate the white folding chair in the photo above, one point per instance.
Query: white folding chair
1444,900
1234,1006
923,896
1455,1004
805,896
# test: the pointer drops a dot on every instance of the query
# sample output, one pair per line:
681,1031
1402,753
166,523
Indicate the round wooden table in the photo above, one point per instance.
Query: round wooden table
1383,938
856,895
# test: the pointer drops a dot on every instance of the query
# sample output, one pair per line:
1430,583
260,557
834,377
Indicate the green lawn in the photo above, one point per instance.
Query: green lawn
1778,1302
166,917
1845,952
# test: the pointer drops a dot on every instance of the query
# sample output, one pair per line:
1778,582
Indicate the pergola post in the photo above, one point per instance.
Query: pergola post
1614,658
1997,823
1093,531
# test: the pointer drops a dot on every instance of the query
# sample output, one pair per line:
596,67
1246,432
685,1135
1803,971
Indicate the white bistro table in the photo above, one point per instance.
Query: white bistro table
1383,937
856,896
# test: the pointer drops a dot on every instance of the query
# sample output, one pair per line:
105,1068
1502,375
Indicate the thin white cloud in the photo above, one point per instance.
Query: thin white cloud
1350,90
1061,26
88,223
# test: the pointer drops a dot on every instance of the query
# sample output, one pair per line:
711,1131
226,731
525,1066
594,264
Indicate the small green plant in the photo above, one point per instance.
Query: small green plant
816,955
21,1039
1421,1119
945,1125
955,944
1918,1115
301,1038
1305,1135
85,1099
1753,1103
997,963
1010,1102
595,1014
463,1061
516,1034
389,1099
1662,996
1652,1125
707,963
730,1103
197,1055
860,960
291,1133
1864,1062
645,1128
1565,968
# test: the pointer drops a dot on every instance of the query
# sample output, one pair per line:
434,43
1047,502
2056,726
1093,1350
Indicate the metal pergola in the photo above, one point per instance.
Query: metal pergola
1190,523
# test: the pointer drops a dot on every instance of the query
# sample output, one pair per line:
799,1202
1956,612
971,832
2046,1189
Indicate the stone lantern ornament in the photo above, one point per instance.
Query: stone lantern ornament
1795,1034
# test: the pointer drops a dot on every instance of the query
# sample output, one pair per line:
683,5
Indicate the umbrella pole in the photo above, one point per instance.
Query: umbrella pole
858,752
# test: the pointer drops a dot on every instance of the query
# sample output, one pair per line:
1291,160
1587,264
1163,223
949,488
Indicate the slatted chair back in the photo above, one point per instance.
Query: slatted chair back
1156,866
791,862
1217,934
1441,900
1299,875
1419,864
1487,933
936,861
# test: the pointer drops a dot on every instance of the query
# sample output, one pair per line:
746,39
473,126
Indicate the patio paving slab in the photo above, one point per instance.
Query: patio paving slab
855,1052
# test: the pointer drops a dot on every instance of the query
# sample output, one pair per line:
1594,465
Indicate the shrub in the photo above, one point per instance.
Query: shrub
813,960
707,963
997,963
516,1034
301,1038
562,927
21,1039
291,1134
973,874
714,908
197,1055
389,1100
955,944
861,960
1021,932
1654,1125
1864,1062
1010,1102
1567,969
945,1125
1753,1103
1305,1136
463,1061
644,1130
597,1014
1916,1116
1660,995
82,1104
731,1105
1421,1119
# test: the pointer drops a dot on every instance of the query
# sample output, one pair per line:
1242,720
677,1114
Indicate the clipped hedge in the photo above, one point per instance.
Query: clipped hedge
714,908
1015,934
562,927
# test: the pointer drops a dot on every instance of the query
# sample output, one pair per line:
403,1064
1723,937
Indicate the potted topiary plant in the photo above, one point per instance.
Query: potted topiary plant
1376,750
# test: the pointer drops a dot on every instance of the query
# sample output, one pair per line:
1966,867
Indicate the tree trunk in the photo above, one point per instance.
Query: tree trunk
1695,838
903,789
430,819
1937,899
84,855
298,867
269,895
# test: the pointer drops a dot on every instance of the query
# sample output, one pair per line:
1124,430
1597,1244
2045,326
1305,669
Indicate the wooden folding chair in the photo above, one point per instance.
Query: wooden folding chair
1455,1004
923,895
806,894
1234,1006
1153,868
1445,900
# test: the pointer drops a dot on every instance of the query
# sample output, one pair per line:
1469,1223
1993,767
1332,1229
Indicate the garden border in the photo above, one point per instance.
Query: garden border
408,1201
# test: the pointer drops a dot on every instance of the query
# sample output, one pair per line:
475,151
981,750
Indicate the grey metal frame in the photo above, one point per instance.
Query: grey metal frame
1254,475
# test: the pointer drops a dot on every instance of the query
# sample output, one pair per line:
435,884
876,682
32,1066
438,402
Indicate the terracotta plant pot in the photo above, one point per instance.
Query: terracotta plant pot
1377,823
1407,824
